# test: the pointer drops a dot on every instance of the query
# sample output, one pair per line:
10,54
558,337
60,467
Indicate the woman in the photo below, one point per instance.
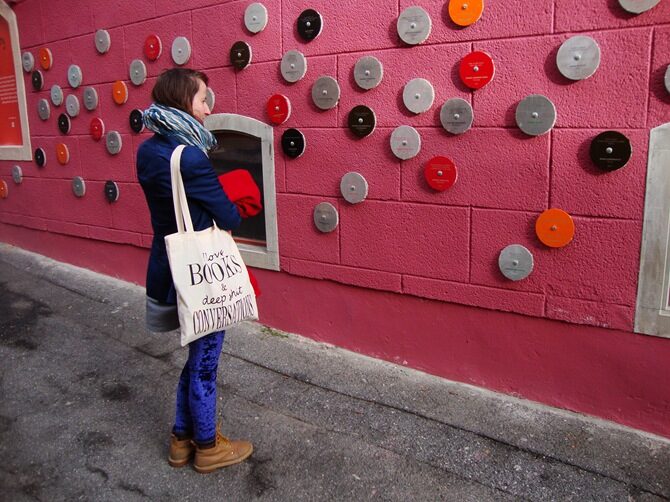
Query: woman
176,117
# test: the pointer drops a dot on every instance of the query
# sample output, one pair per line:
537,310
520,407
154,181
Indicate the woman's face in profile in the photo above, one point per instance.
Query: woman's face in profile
199,105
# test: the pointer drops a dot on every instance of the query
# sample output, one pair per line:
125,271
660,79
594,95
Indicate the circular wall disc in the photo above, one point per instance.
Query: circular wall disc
440,173
578,57
368,72
136,122
102,41
515,262
310,24
46,58
62,154
137,72
97,128
667,79
405,142
28,61
113,142
40,157
72,105
256,17
240,55
64,123
43,109
465,12
278,109
74,76
414,25
638,6
362,121
326,93
354,188
293,143
56,95
119,92
111,191
181,50
210,99
418,95
153,47
17,174
456,116
610,150
326,218
555,228
37,79
4,189
535,115
293,66
90,98
78,186
477,69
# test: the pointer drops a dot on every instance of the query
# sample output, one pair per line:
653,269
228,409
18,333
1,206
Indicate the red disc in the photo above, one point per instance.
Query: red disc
97,128
440,173
153,47
279,109
4,190
477,70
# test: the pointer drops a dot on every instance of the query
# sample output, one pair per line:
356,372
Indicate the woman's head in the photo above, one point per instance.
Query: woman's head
184,89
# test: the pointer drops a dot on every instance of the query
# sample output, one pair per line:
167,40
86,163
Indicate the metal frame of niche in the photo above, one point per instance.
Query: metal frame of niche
23,151
652,312
256,256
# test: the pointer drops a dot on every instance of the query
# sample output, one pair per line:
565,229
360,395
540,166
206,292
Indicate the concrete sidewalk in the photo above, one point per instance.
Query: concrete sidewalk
86,403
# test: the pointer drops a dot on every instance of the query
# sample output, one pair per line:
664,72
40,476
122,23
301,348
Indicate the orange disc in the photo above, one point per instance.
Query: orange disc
465,12
46,59
3,189
62,153
120,92
555,228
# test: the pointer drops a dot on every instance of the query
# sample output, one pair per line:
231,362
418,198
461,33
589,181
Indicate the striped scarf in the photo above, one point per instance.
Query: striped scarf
168,121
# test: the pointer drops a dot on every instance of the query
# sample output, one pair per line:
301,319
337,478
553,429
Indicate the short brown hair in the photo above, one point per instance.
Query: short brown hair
177,87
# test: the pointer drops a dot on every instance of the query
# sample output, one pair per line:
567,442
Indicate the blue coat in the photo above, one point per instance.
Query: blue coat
206,201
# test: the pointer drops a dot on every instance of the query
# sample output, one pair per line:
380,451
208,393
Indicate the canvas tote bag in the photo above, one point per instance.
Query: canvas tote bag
211,280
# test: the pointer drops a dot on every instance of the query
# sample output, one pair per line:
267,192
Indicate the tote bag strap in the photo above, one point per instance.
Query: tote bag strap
181,212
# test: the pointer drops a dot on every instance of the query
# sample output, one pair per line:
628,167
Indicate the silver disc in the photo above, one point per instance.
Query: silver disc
256,17
368,72
418,95
78,186
293,66
28,61
326,218
138,72
17,174
56,95
102,41
667,78
354,188
72,105
181,50
535,115
43,109
578,57
90,98
114,142
210,99
515,262
456,115
638,6
325,93
74,76
405,142
414,25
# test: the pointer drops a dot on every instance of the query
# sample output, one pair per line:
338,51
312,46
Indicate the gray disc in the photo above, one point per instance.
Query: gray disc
638,6
181,50
256,17
515,262
56,95
17,174
326,218
28,61
74,76
368,72
405,142
138,72
43,109
354,188
414,25
78,186
102,41
418,95
456,116
114,142
325,93
535,115
72,105
293,66
210,98
90,98
667,78
578,58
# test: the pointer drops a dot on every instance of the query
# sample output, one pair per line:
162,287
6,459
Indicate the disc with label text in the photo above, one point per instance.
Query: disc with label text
278,109
465,12
153,47
440,173
354,188
456,116
368,72
326,218
418,95
414,25
90,98
240,55
310,24
293,143
361,121
405,142
113,142
578,57
256,17
515,262
610,150
326,93
476,69
535,115
293,66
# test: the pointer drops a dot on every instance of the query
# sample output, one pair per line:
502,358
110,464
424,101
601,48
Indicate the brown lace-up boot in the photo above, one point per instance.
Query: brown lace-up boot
224,453
181,451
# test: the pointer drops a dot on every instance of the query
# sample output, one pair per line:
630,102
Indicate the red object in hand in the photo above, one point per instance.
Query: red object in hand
242,191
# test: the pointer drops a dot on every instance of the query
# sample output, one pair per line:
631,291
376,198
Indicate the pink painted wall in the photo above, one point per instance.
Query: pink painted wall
406,248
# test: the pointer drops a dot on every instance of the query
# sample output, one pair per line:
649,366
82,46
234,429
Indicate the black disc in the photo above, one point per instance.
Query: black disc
240,55
361,121
293,143
310,23
610,150
136,123
111,191
64,123
38,80
40,157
